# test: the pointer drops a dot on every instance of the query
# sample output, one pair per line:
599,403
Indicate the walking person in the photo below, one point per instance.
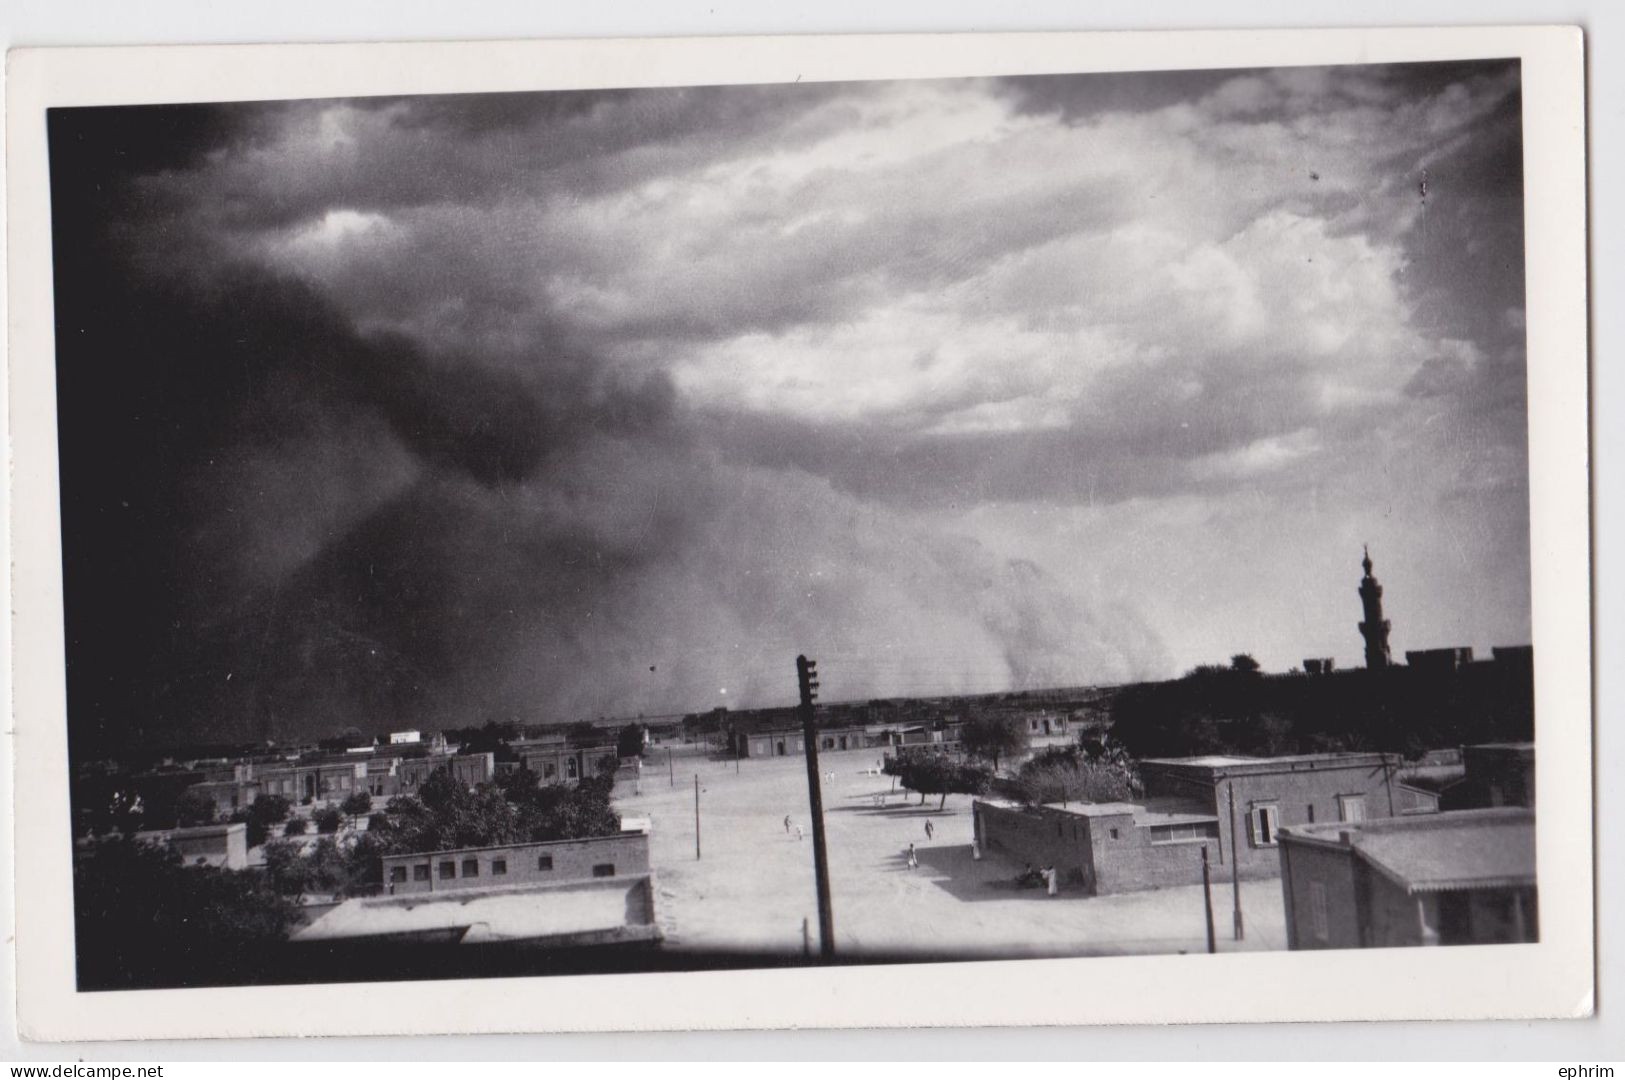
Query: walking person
787,824
929,831
798,832
913,859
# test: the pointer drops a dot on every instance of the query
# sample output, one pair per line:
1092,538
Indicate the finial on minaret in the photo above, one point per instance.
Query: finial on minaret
1375,628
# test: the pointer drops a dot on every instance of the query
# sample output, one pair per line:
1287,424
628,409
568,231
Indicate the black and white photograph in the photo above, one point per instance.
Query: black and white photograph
850,523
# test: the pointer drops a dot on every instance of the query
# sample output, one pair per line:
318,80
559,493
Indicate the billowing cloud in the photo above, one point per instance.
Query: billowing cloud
550,405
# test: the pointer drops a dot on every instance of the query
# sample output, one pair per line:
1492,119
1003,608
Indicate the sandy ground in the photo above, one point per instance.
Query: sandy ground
752,885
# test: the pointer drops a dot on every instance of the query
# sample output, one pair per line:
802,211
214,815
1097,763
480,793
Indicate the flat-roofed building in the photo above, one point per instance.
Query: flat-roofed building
1462,877
334,779
224,846
384,931
555,761
1235,806
544,862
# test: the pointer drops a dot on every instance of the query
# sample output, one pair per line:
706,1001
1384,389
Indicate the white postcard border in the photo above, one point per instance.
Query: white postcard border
1553,978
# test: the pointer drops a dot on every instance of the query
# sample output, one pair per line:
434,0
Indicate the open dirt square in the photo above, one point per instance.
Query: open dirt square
752,886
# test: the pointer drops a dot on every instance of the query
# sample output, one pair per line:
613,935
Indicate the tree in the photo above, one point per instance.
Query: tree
992,738
264,814
492,737
194,808
583,733
355,804
1244,662
285,867
629,743
144,919
328,819
295,827
1067,777
936,773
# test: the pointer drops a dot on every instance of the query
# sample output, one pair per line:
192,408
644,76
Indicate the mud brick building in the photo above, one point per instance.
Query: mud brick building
545,863
1234,806
1454,878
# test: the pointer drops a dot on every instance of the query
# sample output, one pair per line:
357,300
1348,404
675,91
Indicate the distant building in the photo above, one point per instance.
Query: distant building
779,734
335,777
553,896
545,863
1439,661
1455,878
401,738
1189,803
1375,628
222,846
555,761
1493,774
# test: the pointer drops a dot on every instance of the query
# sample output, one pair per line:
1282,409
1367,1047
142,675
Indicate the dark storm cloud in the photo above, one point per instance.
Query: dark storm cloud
300,159
422,411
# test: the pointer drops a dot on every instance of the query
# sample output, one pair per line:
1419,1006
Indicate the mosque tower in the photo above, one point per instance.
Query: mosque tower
1375,627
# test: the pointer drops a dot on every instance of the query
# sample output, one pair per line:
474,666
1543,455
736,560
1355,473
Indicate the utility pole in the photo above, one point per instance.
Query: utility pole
696,817
1207,901
671,771
1235,861
807,677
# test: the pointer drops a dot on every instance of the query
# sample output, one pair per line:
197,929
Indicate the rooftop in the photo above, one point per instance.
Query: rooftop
1171,810
578,912
1285,762
522,846
1159,811
1460,849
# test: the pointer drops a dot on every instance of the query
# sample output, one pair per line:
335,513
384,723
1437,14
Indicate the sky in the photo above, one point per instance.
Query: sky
419,412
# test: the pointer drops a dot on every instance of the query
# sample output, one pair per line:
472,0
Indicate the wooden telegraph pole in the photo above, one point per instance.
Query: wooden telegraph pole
696,817
807,677
1207,901
1235,862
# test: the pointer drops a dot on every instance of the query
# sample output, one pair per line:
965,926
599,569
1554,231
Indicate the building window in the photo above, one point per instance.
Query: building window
471,868
606,869
1262,823
499,866
1113,833
420,872
827,743
1317,911
448,869
544,862
1311,811
549,771
1185,833
1351,807
397,875
570,767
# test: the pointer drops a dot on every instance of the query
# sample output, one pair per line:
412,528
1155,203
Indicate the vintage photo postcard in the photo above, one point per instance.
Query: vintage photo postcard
965,530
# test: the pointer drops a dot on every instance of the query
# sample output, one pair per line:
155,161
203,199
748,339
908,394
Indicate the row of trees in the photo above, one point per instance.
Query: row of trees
1074,774
143,918
1235,710
938,773
445,814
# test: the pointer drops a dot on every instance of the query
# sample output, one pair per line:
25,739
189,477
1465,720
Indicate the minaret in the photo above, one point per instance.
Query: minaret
1375,627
